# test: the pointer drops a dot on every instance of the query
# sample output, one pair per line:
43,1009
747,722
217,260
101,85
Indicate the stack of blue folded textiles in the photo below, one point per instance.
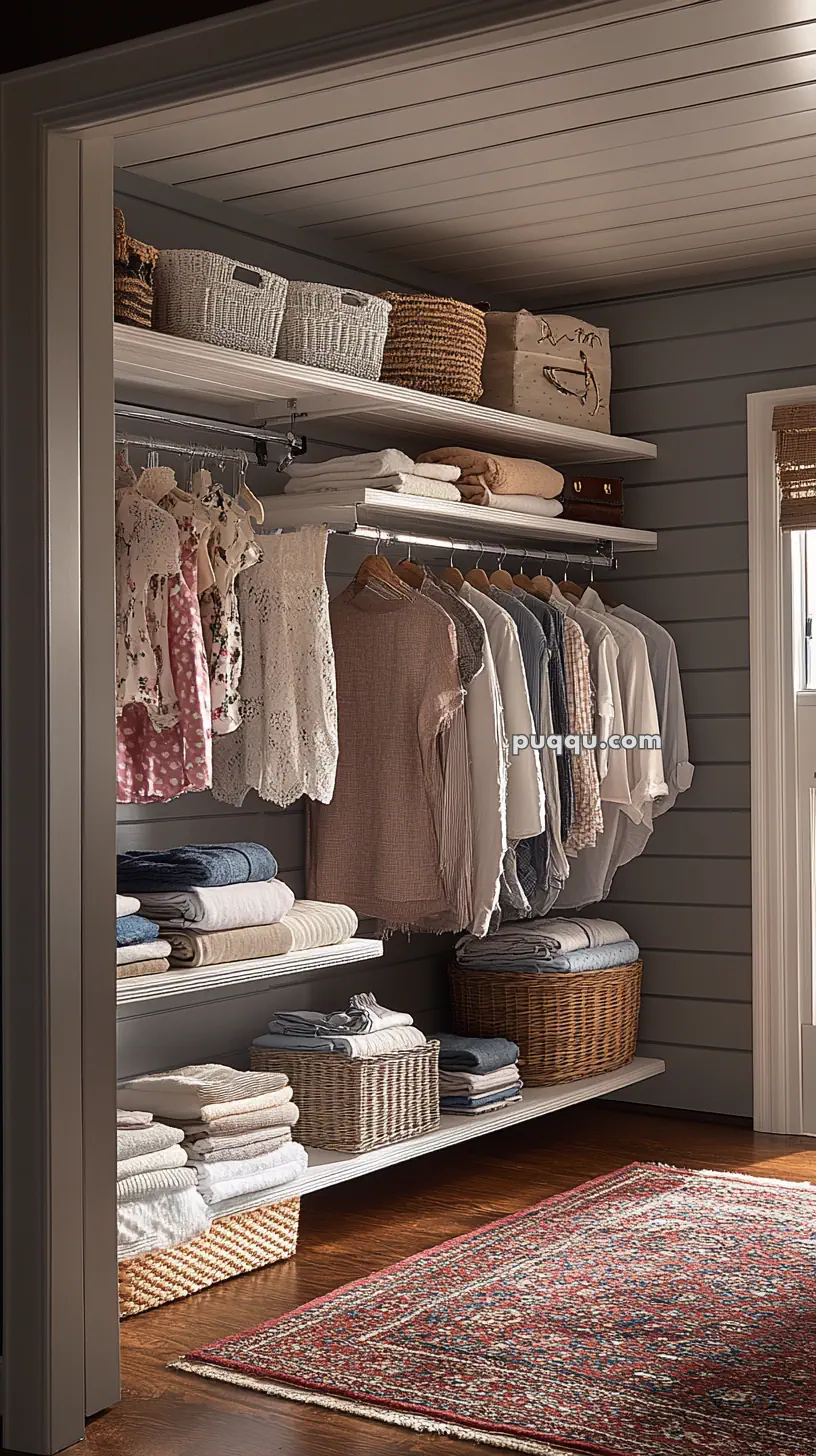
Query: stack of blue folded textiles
140,951
364,1029
544,945
477,1073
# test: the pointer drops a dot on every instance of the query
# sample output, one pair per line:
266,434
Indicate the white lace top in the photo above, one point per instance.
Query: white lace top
232,548
148,565
287,743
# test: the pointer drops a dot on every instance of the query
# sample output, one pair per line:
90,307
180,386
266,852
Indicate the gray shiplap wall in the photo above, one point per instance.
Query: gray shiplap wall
683,365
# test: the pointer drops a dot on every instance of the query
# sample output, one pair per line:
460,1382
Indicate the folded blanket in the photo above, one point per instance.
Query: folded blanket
227,907
269,1140
164,1180
531,505
286,1115
598,958
126,1118
499,474
216,1111
181,1094
131,955
193,867
533,940
159,1221
126,905
135,1142
478,1111
402,484
367,1044
214,1172
142,968
255,1182
135,930
470,1084
363,1015
310,923
151,1162
487,1099
475,1053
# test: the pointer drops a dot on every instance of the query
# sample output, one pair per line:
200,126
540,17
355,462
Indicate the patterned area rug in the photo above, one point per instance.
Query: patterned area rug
651,1312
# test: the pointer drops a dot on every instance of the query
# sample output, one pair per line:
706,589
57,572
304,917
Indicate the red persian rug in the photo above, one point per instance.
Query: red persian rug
651,1312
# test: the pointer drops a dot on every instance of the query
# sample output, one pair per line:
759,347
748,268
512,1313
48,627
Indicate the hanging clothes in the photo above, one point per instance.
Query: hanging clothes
603,656
287,743
148,564
587,820
232,549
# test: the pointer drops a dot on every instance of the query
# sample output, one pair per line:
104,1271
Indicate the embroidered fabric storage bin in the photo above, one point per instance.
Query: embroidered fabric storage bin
548,366
353,1104
133,267
215,300
334,328
435,345
567,1025
235,1244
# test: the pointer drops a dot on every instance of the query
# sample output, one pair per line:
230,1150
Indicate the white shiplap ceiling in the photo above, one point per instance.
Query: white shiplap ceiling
610,152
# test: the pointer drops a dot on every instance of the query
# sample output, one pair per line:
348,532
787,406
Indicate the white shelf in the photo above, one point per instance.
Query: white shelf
345,508
177,982
157,370
328,1168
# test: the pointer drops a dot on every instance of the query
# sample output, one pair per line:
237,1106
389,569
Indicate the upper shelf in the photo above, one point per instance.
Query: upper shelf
155,369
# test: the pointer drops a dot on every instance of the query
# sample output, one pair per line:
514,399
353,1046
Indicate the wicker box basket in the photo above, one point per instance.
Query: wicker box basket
434,344
133,268
233,1245
334,328
215,300
567,1026
353,1104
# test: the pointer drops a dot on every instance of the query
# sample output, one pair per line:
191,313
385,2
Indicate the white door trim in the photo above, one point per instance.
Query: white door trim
777,1014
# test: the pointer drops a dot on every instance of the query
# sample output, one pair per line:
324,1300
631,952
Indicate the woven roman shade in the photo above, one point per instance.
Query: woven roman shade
795,426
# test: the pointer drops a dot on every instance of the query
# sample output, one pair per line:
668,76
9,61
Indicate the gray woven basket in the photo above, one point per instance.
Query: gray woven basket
215,300
334,328
353,1104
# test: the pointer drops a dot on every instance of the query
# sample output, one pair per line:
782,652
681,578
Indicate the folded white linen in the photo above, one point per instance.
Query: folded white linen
160,1221
531,505
217,1111
181,1094
127,955
402,484
473,1084
368,466
174,1157
132,1118
126,905
135,1142
210,1173
225,907
163,1180
254,1182
266,1117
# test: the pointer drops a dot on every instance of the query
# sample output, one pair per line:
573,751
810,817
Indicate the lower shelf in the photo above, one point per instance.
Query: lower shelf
327,1168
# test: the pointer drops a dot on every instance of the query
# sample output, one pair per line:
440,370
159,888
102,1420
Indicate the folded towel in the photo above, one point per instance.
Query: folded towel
227,907
268,1117
135,1142
402,484
255,1182
598,958
125,1118
164,1180
310,923
142,968
215,1111
457,1103
193,867
151,1162
269,1140
475,1053
368,466
499,474
160,1221
535,940
471,1084
126,905
135,930
366,1044
214,1172
531,505
131,955
181,1094
362,1015
478,1111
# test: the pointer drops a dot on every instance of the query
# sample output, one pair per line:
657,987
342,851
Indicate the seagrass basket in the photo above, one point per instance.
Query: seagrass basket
215,300
353,1104
566,1025
133,266
334,328
233,1245
435,345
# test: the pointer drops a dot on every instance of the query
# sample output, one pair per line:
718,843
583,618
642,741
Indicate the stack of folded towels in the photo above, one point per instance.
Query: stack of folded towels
377,470
530,946
477,1073
156,1190
140,950
364,1029
235,1127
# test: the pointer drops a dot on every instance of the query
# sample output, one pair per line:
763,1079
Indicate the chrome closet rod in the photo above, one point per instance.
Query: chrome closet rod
260,437
486,548
204,452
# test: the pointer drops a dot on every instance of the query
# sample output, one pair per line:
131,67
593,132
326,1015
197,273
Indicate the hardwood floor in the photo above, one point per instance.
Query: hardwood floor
352,1230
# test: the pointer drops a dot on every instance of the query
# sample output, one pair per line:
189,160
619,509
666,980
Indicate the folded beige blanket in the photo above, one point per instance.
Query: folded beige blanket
174,1157
143,968
180,1095
135,1142
217,1111
267,1141
310,923
499,474
201,1141
470,1084
284,1116
164,1180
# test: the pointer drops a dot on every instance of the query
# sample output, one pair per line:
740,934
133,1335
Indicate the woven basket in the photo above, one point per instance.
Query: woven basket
215,300
233,1245
133,267
353,1104
566,1025
334,328
434,344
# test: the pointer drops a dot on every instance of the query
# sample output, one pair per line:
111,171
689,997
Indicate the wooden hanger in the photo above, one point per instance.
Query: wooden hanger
542,587
501,578
376,567
452,575
411,572
478,578
523,580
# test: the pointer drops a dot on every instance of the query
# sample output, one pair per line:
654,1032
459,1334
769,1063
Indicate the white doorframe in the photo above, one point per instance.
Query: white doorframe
777,979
